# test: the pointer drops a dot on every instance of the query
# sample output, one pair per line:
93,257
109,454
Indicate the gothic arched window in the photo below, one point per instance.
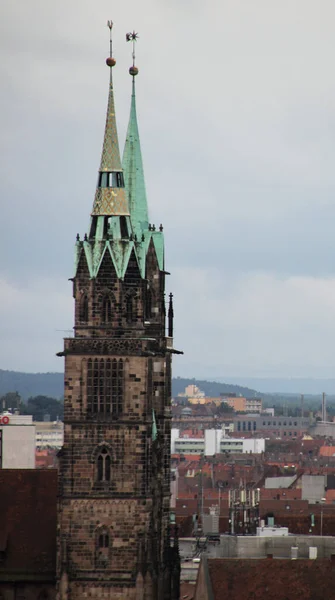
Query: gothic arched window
102,547
106,309
83,308
105,386
103,465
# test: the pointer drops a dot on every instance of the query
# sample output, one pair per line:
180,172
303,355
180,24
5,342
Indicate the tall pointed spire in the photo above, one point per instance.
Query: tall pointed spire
132,160
110,198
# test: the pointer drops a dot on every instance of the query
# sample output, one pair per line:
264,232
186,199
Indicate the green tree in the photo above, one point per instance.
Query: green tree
10,400
39,406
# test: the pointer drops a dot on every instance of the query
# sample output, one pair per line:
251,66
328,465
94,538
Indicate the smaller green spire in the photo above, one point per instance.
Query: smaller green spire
132,162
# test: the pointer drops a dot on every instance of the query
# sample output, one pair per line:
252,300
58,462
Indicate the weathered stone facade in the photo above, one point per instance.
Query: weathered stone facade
114,540
131,505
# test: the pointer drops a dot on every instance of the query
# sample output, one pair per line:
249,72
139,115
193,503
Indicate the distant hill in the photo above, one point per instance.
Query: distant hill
282,385
32,384
212,388
52,385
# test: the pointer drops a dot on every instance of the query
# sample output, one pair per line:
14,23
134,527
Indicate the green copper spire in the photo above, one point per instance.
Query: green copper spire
110,198
132,161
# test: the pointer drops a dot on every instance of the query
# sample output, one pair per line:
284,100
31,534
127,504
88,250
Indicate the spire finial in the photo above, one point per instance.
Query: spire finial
132,37
110,61
110,197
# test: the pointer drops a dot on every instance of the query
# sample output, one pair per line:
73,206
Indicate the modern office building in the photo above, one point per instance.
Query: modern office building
17,441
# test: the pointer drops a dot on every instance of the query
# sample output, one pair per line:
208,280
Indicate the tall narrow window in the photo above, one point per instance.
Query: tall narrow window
148,305
129,309
106,309
96,386
123,228
120,380
101,391
102,547
103,540
83,308
114,386
103,179
104,465
89,386
119,180
108,385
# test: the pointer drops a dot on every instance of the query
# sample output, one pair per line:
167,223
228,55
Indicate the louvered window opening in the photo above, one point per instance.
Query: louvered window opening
111,180
105,386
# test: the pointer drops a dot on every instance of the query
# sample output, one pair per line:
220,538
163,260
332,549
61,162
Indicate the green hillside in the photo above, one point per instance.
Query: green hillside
51,384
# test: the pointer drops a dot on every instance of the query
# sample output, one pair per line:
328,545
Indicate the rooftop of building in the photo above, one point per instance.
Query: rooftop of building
28,502
241,579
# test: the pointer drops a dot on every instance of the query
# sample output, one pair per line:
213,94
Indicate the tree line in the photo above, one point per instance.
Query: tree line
40,407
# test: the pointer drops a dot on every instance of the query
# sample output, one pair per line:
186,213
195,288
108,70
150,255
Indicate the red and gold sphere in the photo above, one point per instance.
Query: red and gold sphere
110,62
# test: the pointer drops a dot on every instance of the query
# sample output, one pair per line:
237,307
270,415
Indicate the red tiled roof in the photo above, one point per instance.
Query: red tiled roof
327,451
241,579
28,508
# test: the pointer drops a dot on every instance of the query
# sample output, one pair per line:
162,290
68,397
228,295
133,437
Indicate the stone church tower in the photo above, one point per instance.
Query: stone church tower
114,540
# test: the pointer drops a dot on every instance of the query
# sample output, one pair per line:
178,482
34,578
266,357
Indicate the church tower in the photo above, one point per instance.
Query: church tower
114,539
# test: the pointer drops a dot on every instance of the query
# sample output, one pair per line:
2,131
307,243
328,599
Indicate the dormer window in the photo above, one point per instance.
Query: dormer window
114,180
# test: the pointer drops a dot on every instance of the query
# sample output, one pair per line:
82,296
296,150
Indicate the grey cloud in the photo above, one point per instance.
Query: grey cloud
237,120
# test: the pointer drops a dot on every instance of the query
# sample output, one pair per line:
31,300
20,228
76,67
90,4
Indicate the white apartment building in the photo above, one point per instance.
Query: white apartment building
242,446
17,441
214,442
253,405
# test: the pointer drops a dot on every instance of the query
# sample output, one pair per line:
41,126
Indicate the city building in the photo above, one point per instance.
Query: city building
241,404
49,434
17,441
115,539
192,391
242,446
278,426
204,400
213,441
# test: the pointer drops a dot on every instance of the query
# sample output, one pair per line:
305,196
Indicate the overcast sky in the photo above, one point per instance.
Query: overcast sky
236,107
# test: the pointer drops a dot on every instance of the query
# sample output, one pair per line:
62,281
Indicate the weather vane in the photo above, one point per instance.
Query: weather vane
132,37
